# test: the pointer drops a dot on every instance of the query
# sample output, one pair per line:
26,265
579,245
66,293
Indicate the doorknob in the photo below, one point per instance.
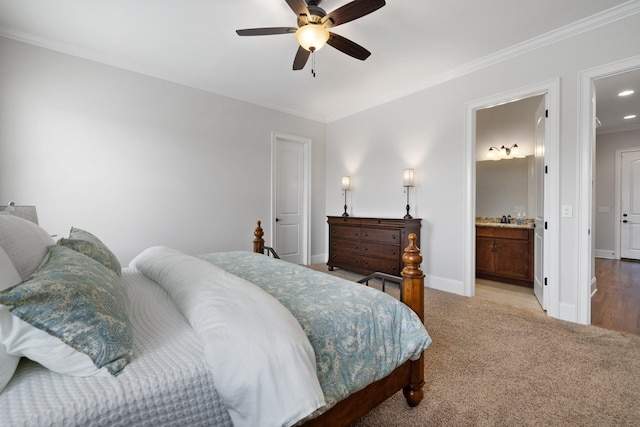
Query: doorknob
625,221
624,215
277,219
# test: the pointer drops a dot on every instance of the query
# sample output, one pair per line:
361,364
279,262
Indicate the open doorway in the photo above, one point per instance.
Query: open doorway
548,260
615,302
510,141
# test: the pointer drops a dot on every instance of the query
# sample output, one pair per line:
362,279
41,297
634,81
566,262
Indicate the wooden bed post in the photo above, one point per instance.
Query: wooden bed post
258,242
413,296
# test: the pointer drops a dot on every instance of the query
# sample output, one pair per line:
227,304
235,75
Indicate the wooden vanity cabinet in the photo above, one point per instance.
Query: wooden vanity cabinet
367,245
505,254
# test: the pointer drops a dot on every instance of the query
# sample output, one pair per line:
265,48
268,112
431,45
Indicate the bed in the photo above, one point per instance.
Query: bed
163,360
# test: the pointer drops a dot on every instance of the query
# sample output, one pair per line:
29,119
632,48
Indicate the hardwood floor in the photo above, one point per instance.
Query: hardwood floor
616,304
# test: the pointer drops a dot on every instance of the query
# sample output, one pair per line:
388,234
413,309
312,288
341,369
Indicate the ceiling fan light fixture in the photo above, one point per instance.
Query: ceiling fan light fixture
312,36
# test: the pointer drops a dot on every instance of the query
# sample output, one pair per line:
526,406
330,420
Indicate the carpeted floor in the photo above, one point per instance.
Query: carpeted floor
496,365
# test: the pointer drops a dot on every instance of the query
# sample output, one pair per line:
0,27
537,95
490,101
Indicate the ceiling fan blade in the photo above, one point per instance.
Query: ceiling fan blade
299,7
347,46
301,58
266,31
350,11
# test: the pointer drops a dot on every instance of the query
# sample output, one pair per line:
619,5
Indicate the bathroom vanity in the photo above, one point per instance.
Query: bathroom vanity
504,253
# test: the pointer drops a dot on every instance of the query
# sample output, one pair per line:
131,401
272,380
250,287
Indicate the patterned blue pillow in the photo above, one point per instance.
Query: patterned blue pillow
89,245
79,301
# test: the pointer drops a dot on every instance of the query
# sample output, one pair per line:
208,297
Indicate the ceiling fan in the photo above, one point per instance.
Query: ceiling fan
313,22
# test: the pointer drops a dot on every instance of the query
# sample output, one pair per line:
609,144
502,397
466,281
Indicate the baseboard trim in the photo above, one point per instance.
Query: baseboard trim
604,253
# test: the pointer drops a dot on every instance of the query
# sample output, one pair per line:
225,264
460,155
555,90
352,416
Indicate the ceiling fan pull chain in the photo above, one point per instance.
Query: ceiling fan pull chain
313,63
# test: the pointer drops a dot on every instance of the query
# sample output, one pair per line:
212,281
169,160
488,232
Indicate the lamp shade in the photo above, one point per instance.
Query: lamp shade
312,36
27,212
407,177
346,183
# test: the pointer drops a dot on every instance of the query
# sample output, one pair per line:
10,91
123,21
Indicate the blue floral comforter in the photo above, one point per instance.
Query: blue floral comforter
359,334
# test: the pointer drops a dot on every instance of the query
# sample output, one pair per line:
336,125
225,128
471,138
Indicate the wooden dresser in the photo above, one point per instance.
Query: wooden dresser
367,245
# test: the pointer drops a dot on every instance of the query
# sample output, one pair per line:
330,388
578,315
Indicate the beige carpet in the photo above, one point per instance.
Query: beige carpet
492,364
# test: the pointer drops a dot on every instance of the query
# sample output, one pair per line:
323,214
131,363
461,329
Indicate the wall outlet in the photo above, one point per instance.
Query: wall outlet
566,211
603,209
517,209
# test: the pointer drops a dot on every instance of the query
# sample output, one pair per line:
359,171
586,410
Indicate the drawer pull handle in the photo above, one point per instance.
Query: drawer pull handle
393,236
393,252
366,234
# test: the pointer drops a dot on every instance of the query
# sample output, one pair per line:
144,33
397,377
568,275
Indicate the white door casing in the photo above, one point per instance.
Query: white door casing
587,137
539,213
630,204
290,197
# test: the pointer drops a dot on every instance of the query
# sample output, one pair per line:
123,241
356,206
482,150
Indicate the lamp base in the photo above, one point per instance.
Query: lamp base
345,211
407,216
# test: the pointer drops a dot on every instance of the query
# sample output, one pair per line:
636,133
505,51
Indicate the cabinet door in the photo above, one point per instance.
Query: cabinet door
484,255
512,258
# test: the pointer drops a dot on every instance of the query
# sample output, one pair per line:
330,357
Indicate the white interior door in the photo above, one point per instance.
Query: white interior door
290,197
539,214
630,205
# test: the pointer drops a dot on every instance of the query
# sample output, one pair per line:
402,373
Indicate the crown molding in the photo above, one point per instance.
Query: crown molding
571,30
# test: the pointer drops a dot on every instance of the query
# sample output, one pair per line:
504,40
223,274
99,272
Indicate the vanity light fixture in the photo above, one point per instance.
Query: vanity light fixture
407,182
626,92
503,152
630,116
346,186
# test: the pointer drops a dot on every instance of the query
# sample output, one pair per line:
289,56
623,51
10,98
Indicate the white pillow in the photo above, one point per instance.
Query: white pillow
8,277
19,338
8,274
24,242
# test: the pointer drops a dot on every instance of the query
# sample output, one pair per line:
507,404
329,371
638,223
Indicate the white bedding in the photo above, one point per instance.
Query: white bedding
167,382
261,360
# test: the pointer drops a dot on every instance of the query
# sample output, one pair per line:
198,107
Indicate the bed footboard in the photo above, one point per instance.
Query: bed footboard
408,377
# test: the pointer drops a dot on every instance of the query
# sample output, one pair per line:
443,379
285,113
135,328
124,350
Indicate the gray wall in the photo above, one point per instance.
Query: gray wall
605,194
426,130
140,161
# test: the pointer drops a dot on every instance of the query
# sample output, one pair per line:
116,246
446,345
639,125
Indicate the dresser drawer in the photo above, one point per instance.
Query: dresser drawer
364,264
344,232
382,235
391,252
337,246
377,264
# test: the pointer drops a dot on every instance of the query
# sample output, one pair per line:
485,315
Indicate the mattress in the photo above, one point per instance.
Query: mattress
167,383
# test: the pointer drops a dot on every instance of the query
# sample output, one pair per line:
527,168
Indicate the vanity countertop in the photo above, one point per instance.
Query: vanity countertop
495,222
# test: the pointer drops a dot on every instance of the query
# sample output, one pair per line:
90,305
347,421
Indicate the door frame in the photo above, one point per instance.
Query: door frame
305,244
586,149
550,88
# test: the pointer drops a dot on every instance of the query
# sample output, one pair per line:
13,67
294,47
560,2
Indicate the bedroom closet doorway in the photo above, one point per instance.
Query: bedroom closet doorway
290,196
537,207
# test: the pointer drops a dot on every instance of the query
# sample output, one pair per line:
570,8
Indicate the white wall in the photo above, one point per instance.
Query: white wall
139,161
426,130
605,196
507,124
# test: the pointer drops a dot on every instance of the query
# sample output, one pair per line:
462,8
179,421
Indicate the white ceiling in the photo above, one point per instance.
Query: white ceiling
414,43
